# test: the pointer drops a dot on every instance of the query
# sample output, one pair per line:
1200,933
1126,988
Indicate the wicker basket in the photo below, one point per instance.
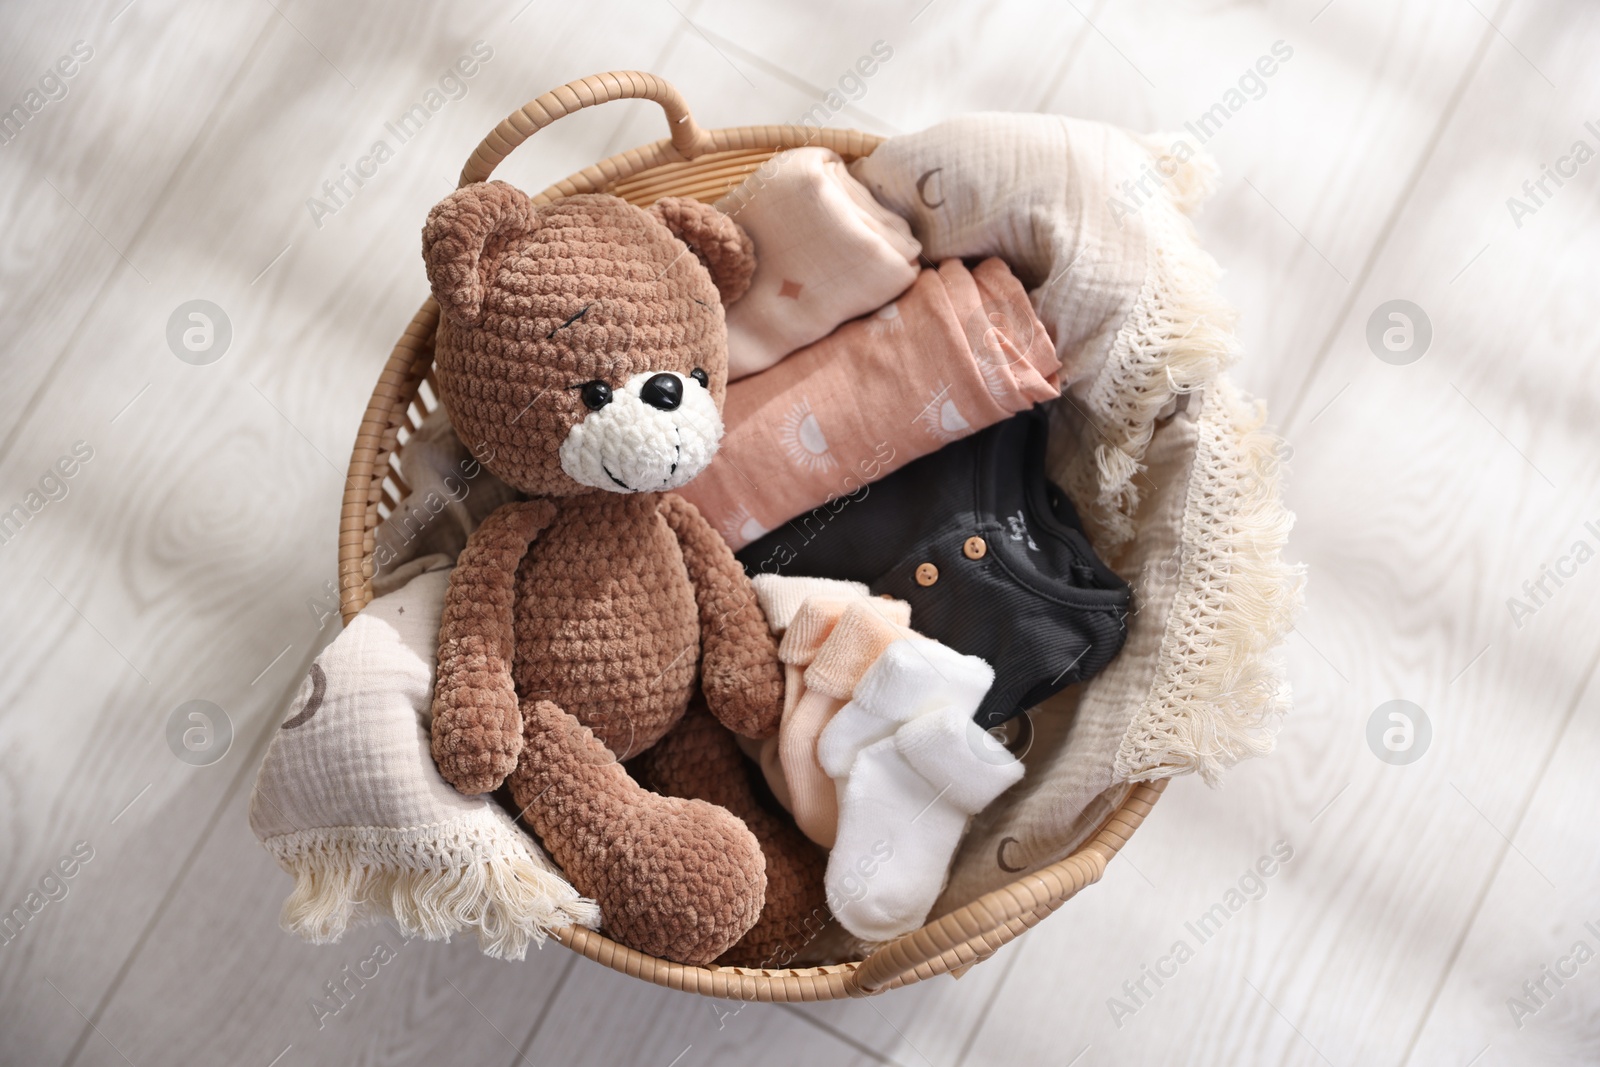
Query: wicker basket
704,165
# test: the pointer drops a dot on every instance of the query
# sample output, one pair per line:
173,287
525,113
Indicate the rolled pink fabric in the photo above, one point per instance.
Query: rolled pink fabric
959,351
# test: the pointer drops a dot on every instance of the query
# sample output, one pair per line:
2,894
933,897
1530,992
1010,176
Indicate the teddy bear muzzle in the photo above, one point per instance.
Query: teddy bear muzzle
655,433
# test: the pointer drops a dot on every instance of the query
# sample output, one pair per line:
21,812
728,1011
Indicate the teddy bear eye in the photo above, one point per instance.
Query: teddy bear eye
596,394
702,377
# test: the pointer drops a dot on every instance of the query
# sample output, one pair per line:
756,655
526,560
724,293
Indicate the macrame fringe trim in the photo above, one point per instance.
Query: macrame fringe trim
1178,337
474,872
1220,690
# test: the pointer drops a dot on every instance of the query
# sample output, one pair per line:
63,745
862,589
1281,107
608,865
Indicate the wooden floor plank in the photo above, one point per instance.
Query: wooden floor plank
664,1027
193,541
86,173
1499,1002
1312,163
247,989
1423,505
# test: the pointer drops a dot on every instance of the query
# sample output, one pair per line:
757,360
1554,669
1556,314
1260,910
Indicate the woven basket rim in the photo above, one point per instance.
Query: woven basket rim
949,944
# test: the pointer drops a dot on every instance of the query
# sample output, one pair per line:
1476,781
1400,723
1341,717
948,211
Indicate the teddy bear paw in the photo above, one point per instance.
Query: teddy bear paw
475,759
685,880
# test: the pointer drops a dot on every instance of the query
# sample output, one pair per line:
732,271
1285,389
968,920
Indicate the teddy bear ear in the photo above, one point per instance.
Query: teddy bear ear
722,245
464,234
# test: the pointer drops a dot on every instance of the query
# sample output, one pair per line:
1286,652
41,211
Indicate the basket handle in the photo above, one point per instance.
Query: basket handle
687,137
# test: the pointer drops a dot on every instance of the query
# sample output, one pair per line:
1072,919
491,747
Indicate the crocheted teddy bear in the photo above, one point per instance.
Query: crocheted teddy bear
582,357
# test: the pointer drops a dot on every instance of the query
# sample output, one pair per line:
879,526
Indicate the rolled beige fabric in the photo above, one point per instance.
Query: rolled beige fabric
826,252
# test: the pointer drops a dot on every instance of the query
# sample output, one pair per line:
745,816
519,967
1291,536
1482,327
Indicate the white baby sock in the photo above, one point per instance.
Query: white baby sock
904,808
911,766
913,676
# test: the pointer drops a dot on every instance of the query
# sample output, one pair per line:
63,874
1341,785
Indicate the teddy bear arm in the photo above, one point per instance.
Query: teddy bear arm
739,670
477,724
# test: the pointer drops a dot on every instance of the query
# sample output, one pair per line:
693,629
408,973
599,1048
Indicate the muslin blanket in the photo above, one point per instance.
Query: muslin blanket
961,350
1175,479
349,802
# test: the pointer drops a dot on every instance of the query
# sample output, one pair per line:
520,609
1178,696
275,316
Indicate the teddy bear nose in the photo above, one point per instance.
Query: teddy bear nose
663,391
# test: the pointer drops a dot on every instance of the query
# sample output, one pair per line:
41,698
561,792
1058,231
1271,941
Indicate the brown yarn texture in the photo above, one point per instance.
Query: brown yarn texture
700,759
579,623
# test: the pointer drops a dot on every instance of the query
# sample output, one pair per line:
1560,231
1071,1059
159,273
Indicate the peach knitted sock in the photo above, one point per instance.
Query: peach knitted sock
804,632
838,639
780,597
808,631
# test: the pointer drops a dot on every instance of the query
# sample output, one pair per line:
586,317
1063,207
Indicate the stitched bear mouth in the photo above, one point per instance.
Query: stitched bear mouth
678,455
620,447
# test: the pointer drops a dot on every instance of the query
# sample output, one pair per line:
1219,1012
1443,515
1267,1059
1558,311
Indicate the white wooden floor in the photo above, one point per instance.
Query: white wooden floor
188,557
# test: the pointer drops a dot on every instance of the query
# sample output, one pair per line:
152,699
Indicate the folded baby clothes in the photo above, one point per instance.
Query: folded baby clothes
1092,219
826,252
1187,506
836,640
960,351
988,553
911,768
781,597
349,801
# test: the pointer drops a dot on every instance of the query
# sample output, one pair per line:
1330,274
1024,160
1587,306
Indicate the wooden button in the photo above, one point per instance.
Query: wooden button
975,548
927,574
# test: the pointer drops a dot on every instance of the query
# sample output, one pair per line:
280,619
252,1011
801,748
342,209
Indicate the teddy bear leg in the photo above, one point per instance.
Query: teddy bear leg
701,759
676,878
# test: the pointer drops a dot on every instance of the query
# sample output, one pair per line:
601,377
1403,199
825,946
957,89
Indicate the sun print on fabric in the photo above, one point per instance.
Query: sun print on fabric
802,438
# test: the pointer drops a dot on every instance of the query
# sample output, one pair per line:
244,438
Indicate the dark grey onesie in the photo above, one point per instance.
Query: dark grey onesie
987,551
